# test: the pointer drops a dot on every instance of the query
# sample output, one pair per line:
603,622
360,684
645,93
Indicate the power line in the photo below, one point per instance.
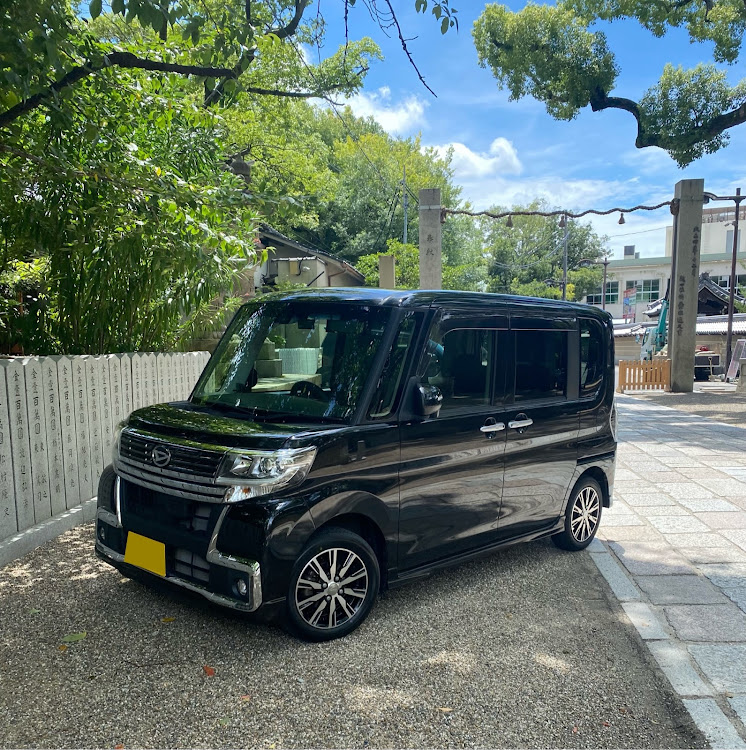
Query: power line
390,217
642,231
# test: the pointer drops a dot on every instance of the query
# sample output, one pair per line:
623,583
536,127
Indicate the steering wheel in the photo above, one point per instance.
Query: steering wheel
307,389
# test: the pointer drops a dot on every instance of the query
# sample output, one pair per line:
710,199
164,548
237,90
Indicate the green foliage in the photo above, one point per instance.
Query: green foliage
365,168
47,49
24,305
136,225
122,224
722,22
407,262
556,55
539,289
684,99
545,52
467,276
527,258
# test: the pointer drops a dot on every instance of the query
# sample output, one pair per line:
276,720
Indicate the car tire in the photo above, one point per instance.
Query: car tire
318,607
582,517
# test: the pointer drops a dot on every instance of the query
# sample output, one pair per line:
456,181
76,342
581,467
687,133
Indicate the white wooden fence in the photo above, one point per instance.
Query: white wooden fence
57,418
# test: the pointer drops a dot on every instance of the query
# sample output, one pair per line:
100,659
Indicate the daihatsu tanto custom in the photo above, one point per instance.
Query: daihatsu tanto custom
343,441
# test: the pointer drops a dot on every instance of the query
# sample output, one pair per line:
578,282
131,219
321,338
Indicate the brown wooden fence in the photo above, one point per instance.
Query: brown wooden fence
644,376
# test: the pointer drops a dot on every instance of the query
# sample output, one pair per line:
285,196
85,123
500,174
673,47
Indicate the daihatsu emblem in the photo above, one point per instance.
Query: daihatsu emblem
160,456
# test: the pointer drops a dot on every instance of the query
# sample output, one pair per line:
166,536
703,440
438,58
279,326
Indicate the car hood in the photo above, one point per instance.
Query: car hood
205,425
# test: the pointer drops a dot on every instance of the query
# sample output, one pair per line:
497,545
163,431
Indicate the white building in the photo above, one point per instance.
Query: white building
649,277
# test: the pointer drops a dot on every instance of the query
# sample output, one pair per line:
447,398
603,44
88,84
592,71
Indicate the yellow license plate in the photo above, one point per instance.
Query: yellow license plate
146,554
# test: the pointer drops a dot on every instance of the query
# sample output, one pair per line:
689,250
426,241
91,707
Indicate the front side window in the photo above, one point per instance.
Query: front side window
459,361
384,397
540,364
294,358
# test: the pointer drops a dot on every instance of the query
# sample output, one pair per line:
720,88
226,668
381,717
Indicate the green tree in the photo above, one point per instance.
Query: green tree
366,209
128,229
465,276
553,54
527,258
407,262
46,50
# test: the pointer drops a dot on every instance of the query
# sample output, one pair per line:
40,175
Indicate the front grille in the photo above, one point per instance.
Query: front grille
184,459
189,474
169,512
188,565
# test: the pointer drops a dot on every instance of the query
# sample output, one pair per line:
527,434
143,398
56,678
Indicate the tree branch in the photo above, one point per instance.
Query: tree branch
720,123
600,101
698,133
244,61
129,60
406,49
119,59
297,94
288,30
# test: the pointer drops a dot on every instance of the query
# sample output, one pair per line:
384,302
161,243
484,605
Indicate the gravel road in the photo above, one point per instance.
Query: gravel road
522,649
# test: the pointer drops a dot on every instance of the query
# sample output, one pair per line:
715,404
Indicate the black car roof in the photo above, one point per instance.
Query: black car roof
435,297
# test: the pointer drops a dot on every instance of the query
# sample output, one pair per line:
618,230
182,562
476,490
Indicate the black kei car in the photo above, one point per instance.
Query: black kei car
342,441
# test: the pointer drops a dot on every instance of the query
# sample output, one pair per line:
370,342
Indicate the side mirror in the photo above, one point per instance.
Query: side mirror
428,399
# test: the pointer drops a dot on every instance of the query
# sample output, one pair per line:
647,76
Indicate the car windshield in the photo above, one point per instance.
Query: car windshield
284,358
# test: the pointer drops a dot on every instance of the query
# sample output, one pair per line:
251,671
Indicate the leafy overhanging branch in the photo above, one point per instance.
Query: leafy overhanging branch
247,57
550,53
124,59
118,59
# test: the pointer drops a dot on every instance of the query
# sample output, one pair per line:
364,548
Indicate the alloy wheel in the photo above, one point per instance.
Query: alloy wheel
585,514
331,588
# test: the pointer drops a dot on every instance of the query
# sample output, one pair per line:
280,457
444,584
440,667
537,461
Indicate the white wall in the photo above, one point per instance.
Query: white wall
57,419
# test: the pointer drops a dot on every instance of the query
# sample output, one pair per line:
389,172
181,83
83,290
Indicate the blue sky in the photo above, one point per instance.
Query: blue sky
511,152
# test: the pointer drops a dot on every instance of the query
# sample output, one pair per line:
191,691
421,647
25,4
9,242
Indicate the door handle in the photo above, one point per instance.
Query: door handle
492,427
520,424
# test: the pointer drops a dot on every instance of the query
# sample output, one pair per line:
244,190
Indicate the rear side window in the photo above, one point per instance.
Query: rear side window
592,357
540,364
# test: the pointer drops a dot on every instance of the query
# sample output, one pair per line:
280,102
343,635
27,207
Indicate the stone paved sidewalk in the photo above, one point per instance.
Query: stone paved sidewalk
673,550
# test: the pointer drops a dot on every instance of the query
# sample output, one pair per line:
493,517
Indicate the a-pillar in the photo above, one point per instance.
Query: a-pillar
386,272
431,264
685,284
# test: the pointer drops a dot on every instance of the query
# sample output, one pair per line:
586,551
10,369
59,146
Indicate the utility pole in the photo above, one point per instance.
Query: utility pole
733,280
406,203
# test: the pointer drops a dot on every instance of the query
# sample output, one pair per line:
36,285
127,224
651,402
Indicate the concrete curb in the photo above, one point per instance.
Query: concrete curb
24,542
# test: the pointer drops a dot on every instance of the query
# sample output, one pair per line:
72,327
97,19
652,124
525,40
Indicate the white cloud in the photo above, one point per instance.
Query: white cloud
554,189
398,119
649,161
502,158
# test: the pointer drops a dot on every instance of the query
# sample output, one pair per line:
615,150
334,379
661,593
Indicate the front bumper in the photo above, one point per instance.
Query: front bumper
222,566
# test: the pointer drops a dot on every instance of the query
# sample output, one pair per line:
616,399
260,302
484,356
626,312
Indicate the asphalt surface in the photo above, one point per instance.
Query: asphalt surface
526,648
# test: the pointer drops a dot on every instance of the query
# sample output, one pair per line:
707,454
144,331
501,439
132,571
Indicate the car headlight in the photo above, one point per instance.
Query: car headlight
255,473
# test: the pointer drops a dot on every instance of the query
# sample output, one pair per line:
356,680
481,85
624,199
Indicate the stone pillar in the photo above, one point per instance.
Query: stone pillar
685,284
386,272
431,263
